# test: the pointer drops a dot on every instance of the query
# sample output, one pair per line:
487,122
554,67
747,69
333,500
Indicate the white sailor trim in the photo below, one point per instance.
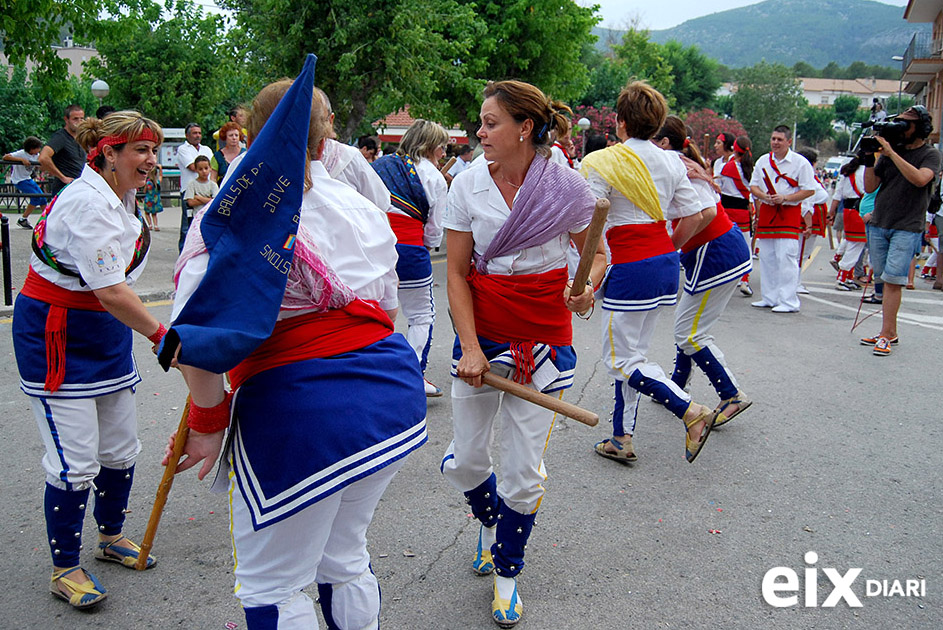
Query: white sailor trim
647,304
267,510
697,285
546,377
416,284
82,390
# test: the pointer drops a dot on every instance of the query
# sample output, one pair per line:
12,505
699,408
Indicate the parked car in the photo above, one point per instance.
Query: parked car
833,164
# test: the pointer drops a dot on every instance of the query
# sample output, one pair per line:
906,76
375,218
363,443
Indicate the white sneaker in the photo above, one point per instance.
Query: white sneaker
802,290
841,286
431,390
746,289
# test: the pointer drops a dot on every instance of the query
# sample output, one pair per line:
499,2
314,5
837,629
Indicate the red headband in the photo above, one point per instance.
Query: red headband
721,137
687,141
110,141
739,149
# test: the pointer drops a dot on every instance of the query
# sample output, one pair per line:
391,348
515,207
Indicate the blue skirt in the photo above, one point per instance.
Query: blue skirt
306,430
413,267
643,285
716,262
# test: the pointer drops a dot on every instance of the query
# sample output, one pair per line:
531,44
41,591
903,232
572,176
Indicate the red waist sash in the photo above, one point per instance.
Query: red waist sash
779,221
60,300
718,227
407,229
315,336
631,243
855,231
527,307
818,219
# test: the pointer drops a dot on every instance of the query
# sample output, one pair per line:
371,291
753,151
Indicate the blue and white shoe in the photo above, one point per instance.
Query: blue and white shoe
506,607
484,562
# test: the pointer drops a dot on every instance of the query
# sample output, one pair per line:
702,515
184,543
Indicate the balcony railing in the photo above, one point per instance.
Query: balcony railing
922,46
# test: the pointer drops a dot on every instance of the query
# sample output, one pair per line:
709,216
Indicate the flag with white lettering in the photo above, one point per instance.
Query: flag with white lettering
249,231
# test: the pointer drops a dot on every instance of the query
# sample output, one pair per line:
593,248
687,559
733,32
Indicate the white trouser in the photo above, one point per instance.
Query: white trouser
842,246
418,307
806,245
83,434
522,439
852,254
325,543
696,315
778,277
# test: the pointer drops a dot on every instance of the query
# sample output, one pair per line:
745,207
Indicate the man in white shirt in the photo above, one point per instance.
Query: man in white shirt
463,158
186,155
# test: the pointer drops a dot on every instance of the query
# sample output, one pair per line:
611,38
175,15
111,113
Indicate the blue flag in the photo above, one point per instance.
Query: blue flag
249,230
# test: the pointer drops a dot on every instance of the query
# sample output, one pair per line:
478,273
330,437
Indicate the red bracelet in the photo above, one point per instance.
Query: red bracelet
157,336
210,419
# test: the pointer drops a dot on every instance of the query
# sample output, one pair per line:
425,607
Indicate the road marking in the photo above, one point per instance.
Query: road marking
812,256
914,319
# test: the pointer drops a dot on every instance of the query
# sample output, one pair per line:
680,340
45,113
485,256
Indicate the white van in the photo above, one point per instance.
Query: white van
833,164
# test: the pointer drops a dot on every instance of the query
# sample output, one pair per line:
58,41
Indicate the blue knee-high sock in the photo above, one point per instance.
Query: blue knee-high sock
112,489
511,537
618,412
261,617
483,501
65,514
682,372
716,372
660,392
326,601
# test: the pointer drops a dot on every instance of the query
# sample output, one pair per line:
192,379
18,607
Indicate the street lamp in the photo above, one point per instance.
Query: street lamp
100,90
583,124
900,78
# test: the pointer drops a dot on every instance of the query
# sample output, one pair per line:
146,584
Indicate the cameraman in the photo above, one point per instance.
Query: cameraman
905,173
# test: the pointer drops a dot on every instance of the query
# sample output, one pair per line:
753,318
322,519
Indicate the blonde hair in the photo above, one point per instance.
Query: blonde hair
642,109
524,101
422,138
319,126
128,124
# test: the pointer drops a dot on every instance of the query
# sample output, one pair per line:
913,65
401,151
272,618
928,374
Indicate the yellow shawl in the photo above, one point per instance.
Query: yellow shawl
625,171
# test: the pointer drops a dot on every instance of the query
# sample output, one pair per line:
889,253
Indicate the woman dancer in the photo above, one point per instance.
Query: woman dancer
417,195
734,182
713,259
72,335
324,411
509,224
645,185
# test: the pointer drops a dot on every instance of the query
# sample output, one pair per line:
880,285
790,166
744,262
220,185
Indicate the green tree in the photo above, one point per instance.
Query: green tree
891,105
832,71
846,108
695,76
174,70
646,60
767,95
21,112
606,80
538,41
815,124
723,105
28,30
373,57
803,69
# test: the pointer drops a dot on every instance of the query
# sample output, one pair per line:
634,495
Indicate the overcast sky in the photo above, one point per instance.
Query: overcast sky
656,15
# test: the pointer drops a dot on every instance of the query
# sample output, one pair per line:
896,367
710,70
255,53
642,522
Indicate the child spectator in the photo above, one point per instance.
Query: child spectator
201,190
22,177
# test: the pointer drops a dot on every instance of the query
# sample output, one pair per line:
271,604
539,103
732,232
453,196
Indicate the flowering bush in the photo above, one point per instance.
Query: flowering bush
602,120
707,122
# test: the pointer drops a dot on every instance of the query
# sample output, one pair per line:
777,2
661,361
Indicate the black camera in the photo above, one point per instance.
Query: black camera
891,130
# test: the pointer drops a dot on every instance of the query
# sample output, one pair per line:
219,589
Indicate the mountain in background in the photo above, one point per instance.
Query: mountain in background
787,31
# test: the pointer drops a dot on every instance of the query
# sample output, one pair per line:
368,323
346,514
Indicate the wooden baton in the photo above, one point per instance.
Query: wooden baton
180,442
547,402
593,234
448,165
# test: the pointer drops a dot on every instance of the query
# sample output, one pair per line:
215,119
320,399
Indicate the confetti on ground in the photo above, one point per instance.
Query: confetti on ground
191,518
384,555
212,512
713,531
807,529
408,554
231,625
720,509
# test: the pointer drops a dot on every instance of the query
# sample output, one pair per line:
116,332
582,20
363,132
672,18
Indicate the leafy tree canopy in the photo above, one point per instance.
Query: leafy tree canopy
767,95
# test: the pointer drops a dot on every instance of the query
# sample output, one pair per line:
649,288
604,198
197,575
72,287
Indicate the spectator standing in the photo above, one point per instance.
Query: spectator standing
186,157
463,158
232,137
905,173
152,203
22,177
201,190
62,157
369,147
237,116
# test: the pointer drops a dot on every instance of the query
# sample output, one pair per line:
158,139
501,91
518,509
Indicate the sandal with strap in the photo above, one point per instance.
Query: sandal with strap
624,452
483,564
743,403
78,595
693,447
125,556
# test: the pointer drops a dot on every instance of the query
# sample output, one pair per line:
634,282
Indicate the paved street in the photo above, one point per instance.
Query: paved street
838,455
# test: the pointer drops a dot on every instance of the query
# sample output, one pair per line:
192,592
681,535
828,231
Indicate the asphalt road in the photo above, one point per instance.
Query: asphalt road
838,455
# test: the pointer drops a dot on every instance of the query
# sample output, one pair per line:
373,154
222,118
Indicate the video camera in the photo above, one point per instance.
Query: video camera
891,130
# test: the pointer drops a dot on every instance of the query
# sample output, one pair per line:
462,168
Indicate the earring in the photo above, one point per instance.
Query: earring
522,139
114,175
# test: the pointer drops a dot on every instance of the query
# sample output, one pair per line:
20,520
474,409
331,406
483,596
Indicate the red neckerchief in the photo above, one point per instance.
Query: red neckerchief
730,170
854,185
569,160
779,175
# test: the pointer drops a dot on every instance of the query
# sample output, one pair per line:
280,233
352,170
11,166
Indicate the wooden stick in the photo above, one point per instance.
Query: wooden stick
448,165
163,489
831,242
593,234
547,402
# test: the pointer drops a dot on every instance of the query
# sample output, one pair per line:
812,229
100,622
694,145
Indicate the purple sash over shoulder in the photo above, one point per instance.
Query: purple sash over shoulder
553,200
